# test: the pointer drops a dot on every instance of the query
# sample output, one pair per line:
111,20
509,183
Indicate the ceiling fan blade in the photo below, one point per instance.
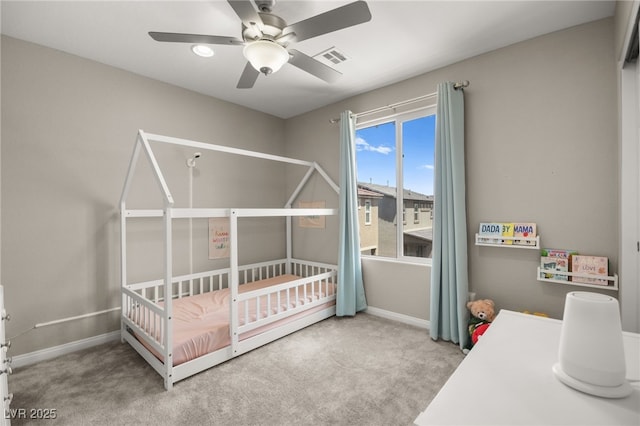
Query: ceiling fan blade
314,67
333,20
194,38
246,12
248,77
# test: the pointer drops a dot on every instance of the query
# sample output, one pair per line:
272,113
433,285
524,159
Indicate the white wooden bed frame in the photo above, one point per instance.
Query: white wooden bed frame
137,296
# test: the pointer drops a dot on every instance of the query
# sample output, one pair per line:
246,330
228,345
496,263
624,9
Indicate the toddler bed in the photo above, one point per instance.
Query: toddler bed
269,305
182,325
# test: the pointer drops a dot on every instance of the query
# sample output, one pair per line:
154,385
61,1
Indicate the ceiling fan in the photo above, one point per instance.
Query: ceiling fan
266,38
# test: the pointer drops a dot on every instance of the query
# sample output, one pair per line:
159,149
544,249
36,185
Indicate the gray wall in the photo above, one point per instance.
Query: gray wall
69,125
540,147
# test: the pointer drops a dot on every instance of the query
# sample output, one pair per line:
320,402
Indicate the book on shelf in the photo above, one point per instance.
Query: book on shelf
490,232
547,256
561,264
524,230
590,265
557,253
507,231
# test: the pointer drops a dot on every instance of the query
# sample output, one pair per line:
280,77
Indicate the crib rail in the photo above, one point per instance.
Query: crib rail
184,285
204,282
265,306
261,271
305,268
145,316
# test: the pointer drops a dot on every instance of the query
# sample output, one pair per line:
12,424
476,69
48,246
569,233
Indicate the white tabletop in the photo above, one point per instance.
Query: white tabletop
506,379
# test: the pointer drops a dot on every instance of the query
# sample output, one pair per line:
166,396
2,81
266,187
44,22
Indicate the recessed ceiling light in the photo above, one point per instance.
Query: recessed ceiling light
202,50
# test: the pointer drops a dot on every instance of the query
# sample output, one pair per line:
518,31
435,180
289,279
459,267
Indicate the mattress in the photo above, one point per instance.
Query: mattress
201,322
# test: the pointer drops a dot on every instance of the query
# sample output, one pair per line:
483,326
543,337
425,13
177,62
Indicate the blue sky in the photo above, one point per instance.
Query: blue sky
376,154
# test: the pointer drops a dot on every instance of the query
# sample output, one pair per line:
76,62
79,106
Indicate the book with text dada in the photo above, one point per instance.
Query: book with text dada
524,230
490,232
590,265
556,260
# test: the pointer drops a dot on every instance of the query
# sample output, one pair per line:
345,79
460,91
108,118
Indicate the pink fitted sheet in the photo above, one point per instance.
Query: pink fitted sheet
201,322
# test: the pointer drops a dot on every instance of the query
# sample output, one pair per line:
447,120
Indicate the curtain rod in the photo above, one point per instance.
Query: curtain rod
456,86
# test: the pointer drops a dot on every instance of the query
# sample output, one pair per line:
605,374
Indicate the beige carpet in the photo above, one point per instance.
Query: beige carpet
342,371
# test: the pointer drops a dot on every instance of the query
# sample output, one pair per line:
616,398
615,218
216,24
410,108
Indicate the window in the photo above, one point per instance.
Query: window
367,212
395,158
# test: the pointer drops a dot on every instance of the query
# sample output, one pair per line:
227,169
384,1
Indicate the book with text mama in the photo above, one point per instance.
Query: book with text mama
524,230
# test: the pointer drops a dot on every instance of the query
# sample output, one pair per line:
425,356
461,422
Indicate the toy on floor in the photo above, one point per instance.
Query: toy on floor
538,314
482,314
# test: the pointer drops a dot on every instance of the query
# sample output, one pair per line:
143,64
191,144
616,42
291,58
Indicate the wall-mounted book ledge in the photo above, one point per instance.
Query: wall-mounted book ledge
509,242
594,281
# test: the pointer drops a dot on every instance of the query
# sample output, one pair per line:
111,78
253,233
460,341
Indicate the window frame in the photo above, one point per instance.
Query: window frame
367,212
400,118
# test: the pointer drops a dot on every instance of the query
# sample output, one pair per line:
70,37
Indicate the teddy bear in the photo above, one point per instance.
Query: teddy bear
483,312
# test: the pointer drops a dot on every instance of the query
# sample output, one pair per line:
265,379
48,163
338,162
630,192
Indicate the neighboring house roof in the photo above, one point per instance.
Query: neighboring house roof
390,191
365,193
423,234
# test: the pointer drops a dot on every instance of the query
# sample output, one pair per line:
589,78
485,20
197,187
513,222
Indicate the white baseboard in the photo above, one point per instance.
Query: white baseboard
398,317
49,353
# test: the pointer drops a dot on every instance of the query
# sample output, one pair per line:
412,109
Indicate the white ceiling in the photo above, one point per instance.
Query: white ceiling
403,39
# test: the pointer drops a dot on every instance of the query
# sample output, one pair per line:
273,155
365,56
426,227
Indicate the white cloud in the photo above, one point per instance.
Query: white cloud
427,166
363,145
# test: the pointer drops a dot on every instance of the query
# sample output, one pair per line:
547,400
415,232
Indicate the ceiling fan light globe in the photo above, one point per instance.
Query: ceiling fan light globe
266,56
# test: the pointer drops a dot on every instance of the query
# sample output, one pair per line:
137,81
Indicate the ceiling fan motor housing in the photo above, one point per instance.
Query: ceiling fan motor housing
265,5
264,49
272,26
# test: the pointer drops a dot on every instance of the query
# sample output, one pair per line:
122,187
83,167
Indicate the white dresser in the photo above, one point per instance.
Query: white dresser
5,361
506,379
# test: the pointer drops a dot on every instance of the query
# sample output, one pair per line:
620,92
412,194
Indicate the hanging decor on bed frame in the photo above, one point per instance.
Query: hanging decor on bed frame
317,221
182,325
219,238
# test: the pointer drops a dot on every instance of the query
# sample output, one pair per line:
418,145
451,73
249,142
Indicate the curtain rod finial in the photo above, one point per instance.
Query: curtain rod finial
461,85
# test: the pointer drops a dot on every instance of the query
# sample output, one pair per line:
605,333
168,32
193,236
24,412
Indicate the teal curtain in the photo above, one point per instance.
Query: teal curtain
350,297
449,273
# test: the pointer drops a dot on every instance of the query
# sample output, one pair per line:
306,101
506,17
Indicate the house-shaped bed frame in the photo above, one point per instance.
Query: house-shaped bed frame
255,317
